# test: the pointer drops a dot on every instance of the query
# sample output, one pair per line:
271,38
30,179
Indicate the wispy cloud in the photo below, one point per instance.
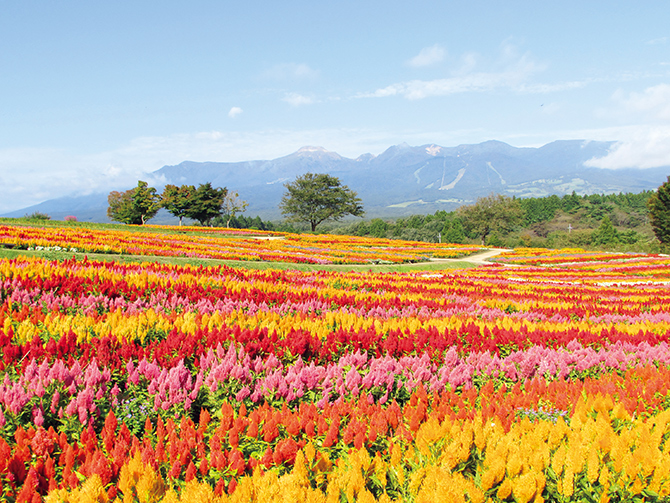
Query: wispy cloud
234,112
510,78
658,41
428,56
651,104
553,88
646,143
645,147
511,71
290,72
296,100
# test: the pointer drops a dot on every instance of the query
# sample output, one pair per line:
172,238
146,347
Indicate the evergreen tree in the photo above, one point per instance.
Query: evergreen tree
659,212
378,228
606,234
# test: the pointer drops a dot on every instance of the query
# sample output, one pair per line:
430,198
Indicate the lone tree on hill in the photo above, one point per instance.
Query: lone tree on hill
493,213
659,213
315,198
134,206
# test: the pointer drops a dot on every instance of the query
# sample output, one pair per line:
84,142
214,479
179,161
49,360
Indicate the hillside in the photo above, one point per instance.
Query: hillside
401,181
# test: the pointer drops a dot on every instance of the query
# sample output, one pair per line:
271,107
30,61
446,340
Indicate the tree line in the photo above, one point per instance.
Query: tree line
494,220
203,204
311,198
613,220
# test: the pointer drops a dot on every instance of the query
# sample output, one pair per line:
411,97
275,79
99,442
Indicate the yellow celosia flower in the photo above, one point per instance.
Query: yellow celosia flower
514,461
505,489
140,481
91,491
524,488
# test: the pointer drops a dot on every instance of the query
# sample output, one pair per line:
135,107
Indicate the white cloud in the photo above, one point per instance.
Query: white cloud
553,88
658,41
651,104
428,56
234,112
35,175
469,61
512,72
644,147
290,72
296,100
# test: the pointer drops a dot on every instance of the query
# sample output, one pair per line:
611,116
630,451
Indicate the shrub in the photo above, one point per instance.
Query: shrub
38,216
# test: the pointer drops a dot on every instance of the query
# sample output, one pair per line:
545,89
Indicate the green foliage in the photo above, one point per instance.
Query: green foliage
606,234
540,209
315,198
232,204
37,216
242,222
177,200
121,209
659,212
493,213
453,232
134,206
145,201
378,228
206,203
571,203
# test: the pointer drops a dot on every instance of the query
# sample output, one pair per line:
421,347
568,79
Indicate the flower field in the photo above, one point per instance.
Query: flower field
545,377
229,244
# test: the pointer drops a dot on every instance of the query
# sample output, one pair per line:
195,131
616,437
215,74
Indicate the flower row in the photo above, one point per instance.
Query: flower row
114,311
357,452
55,393
205,243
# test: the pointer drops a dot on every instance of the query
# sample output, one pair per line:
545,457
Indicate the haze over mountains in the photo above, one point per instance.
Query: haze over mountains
400,181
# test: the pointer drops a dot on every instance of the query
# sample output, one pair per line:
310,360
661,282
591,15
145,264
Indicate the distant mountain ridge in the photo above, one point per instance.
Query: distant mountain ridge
403,179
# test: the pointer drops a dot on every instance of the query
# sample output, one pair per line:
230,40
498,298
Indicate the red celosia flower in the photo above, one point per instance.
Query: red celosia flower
237,463
190,472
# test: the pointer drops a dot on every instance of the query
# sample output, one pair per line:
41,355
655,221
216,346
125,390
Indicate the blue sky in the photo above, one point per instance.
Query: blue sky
93,95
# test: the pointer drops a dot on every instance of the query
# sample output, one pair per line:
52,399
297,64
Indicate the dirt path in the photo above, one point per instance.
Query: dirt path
478,258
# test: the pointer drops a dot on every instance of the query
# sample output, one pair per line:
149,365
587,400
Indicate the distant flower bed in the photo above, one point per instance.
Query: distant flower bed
232,244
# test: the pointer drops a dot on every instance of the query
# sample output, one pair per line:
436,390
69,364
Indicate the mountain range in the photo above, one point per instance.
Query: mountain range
400,181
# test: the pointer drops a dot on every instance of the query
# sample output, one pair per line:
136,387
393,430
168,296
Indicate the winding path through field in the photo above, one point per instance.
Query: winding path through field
481,258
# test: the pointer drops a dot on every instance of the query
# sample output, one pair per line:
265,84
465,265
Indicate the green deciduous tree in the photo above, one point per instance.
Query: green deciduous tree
232,204
120,207
659,212
315,198
146,201
133,206
207,203
493,213
177,200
